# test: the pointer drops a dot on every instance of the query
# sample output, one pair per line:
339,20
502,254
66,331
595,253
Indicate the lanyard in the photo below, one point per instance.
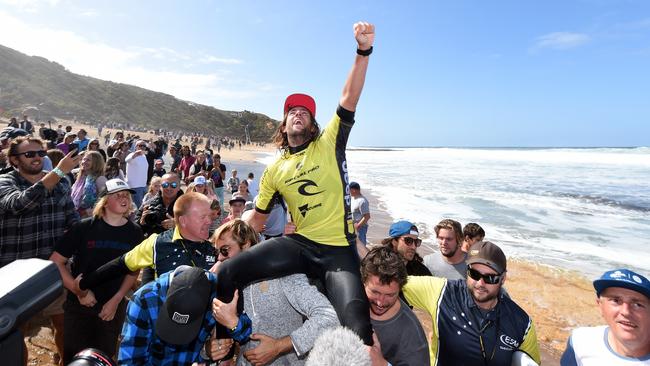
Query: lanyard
189,255
489,322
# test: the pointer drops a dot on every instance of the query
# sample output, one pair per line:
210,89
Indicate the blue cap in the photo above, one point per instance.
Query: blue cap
403,227
623,278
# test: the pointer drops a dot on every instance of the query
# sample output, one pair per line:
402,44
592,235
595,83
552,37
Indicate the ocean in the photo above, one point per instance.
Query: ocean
585,209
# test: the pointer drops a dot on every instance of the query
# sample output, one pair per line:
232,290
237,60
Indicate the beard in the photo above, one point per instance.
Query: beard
482,295
450,253
29,169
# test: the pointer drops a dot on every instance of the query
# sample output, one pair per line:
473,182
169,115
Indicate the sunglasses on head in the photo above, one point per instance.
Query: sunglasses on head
31,154
166,185
410,241
490,279
224,251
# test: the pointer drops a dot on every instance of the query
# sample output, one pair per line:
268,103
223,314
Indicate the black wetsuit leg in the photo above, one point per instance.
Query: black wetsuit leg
342,279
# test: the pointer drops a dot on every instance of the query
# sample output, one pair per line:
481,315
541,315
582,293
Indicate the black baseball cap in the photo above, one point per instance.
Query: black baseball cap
188,299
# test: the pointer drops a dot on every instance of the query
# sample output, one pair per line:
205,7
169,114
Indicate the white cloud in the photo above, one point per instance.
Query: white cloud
125,65
214,60
29,6
561,40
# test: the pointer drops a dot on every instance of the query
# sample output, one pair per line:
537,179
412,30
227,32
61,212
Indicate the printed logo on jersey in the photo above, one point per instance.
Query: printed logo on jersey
304,208
510,342
306,183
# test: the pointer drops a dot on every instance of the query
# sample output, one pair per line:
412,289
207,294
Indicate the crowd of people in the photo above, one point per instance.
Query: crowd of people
260,280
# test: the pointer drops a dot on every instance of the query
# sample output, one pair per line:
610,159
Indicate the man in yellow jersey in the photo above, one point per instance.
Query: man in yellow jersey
311,176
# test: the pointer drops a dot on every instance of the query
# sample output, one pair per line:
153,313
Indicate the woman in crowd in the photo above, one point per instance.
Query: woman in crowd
96,319
186,162
93,145
242,191
90,182
287,313
153,190
112,169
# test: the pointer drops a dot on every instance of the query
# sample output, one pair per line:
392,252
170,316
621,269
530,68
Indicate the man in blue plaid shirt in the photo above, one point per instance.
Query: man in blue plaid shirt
169,320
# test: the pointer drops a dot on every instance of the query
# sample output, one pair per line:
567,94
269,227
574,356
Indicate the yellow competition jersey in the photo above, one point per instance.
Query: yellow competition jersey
314,183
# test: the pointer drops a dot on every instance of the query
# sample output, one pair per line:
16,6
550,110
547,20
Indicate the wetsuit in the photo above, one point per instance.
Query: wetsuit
313,180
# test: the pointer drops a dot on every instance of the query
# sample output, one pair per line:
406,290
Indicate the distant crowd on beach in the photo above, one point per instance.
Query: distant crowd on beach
158,270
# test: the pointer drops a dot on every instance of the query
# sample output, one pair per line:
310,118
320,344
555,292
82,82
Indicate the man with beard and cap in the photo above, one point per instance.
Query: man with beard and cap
474,323
404,239
450,262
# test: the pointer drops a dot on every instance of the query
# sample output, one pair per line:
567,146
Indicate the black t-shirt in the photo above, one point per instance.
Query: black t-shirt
92,243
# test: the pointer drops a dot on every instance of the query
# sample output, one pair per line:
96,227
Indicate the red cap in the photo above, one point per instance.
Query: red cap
300,100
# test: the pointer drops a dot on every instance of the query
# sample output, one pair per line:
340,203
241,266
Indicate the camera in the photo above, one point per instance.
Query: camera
157,214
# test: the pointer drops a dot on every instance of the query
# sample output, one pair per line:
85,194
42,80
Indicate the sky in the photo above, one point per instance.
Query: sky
443,73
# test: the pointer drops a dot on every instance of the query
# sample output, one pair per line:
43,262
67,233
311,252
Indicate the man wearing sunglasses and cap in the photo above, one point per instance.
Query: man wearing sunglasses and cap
404,239
35,210
474,323
311,175
623,298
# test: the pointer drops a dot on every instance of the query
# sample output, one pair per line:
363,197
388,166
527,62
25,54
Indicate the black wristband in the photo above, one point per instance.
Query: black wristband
364,52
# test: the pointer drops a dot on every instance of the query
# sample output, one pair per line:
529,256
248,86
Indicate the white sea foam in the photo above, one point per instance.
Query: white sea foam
577,208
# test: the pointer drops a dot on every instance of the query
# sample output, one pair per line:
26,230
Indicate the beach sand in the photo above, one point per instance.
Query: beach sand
557,300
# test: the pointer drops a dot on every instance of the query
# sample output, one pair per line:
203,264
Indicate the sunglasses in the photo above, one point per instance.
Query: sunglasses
166,185
31,154
224,251
410,241
490,279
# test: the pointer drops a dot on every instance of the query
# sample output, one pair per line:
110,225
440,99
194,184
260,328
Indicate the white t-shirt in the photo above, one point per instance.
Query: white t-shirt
589,346
136,170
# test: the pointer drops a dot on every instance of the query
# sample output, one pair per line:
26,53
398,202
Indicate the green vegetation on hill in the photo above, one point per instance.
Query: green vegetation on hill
57,93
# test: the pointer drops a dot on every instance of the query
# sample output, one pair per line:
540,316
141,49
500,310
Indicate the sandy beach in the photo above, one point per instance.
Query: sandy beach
558,300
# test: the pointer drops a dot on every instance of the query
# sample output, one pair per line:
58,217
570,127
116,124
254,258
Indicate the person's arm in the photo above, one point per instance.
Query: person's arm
569,355
137,258
364,33
530,346
268,349
257,220
109,308
363,221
